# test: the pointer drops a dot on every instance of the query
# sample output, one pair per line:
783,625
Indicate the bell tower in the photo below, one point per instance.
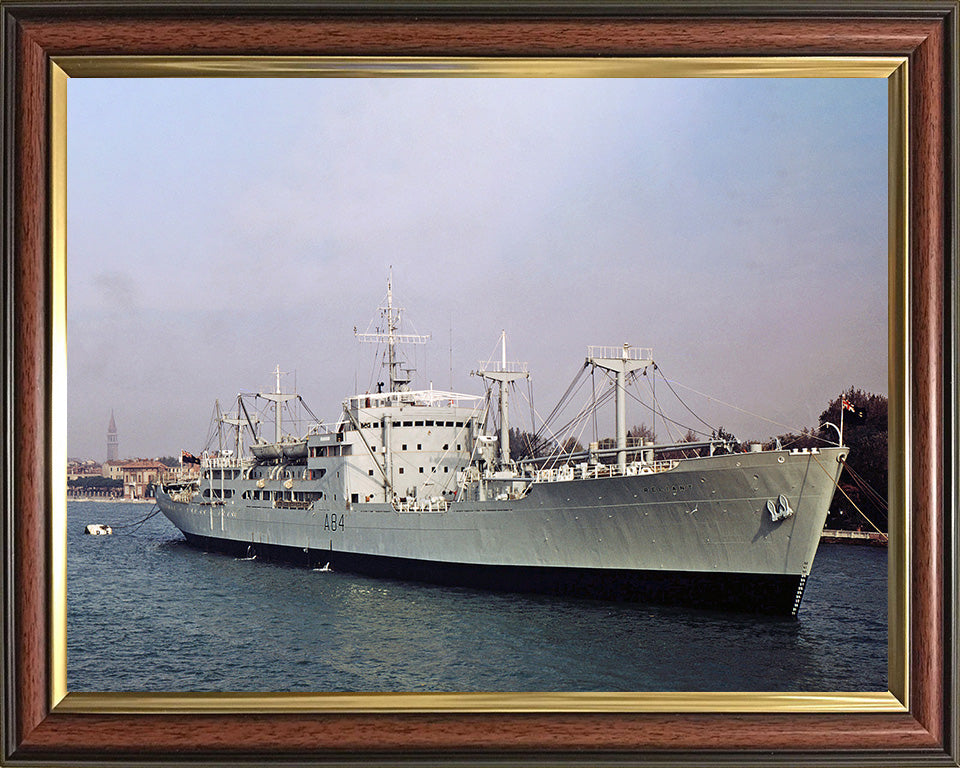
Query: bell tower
113,442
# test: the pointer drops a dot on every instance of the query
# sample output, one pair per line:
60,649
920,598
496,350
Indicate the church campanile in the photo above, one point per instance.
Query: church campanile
113,442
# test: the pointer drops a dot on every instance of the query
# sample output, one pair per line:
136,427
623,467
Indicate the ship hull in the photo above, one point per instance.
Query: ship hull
700,534
750,593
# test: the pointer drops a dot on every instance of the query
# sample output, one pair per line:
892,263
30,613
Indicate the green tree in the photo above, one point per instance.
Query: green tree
790,440
526,445
637,433
95,482
865,433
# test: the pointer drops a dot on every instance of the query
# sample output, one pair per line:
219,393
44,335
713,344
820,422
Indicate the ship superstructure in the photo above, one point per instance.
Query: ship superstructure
414,484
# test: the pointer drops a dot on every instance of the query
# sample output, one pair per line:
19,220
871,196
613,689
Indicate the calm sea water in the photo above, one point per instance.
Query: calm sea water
146,612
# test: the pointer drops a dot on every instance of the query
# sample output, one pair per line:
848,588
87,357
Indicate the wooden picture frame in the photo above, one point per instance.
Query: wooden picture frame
39,727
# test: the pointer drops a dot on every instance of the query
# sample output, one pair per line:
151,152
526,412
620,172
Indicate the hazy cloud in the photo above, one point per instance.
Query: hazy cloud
218,228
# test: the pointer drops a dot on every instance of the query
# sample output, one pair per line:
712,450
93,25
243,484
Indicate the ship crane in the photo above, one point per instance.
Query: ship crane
503,373
621,361
278,398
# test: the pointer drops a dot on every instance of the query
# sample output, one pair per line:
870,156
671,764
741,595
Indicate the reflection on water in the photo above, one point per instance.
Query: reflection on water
146,612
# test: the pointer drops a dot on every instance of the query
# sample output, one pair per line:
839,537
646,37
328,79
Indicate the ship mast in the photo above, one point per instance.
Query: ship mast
399,379
628,360
503,373
239,423
278,399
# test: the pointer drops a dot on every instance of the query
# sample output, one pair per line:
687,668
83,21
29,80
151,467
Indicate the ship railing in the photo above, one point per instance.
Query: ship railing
709,447
291,504
434,398
431,504
586,471
621,353
499,366
223,461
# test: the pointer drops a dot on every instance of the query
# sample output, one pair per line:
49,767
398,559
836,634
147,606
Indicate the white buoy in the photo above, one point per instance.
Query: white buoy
98,529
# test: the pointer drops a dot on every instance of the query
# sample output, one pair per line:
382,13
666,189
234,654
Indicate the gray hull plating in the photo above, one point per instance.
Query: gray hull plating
706,515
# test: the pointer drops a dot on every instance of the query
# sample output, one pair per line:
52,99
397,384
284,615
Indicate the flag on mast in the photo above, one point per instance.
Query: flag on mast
846,405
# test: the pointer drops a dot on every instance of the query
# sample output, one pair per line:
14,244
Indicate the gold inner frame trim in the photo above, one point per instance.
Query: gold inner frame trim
894,69
386,703
429,66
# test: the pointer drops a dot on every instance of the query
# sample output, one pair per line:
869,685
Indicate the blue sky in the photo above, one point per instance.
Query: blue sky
218,228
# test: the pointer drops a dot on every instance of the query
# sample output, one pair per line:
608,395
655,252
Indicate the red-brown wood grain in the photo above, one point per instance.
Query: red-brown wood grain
30,370
927,309
40,734
484,37
290,735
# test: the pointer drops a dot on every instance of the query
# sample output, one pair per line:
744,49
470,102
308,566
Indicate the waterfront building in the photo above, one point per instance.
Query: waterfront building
139,477
113,469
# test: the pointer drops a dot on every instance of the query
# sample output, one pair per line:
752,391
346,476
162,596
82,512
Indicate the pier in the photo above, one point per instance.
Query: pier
854,537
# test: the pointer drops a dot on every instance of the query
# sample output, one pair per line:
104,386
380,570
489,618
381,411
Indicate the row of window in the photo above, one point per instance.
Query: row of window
446,470
446,446
306,496
326,450
222,474
225,493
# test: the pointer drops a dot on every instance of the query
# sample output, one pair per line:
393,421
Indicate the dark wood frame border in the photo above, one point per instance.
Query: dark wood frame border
925,32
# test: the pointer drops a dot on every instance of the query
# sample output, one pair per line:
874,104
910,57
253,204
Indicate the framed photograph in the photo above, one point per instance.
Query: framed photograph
409,65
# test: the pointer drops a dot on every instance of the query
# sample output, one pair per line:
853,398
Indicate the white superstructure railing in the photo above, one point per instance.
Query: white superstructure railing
223,461
433,504
434,398
502,366
587,471
623,352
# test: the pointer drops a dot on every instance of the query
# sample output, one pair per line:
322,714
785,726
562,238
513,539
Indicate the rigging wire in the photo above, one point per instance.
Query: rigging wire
861,483
585,410
137,524
552,458
593,382
611,391
666,422
837,485
749,413
656,368
562,404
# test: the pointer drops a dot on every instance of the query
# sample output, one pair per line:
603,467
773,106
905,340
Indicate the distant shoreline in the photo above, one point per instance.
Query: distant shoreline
104,500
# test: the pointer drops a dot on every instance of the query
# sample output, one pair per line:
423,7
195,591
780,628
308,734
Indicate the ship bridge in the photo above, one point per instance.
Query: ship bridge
428,398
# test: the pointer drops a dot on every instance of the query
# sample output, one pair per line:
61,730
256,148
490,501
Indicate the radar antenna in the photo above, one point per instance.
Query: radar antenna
399,375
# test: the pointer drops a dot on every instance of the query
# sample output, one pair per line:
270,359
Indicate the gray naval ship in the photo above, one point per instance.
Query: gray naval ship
412,484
